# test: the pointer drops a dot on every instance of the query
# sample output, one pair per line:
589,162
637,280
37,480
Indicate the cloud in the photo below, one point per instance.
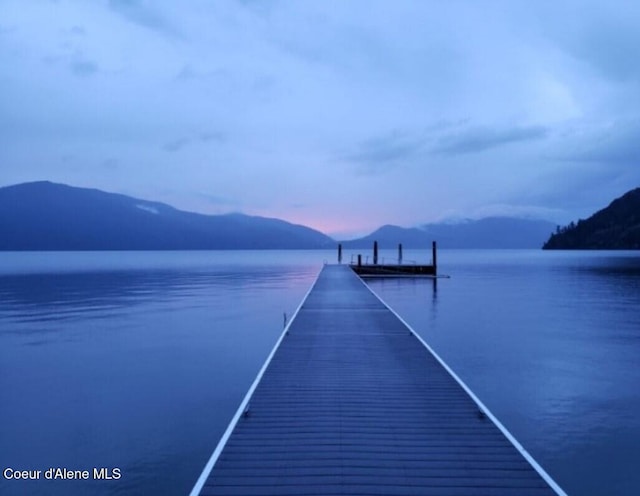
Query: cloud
260,7
189,73
212,137
609,51
603,37
83,67
221,203
480,139
381,154
77,63
521,211
614,143
110,163
176,145
77,31
202,138
578,189
447,138
143,13
7,30
215,199
416,104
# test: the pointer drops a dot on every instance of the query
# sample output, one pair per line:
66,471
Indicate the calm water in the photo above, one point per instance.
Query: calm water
137,361
550,342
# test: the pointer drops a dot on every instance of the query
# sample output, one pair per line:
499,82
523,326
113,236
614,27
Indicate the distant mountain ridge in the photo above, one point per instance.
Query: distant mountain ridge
616,227
490,232
49,216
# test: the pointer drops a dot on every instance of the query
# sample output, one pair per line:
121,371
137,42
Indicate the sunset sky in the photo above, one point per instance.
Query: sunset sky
341,115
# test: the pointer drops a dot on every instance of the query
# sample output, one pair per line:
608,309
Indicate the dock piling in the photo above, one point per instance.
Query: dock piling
340,253
400,254
434,256
375,253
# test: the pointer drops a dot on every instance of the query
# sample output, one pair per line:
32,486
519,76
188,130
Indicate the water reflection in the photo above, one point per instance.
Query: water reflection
67,295
549,341
139,360
116,360
420,293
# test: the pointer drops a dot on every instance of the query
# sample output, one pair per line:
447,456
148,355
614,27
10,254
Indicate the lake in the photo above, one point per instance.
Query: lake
136,361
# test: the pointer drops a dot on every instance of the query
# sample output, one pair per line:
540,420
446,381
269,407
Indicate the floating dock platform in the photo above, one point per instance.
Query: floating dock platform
399,269
351,401
393,270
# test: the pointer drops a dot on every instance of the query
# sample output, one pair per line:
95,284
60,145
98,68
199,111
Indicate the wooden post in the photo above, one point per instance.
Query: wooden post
435,260
340,253
400,254
359,260
375,253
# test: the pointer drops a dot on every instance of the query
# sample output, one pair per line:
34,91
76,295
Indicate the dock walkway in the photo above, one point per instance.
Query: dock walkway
352,401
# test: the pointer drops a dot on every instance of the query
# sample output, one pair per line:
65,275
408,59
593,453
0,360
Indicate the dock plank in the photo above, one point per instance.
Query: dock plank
352,403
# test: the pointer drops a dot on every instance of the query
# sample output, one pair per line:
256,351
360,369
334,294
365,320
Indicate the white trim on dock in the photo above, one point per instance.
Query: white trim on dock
197,488
483,408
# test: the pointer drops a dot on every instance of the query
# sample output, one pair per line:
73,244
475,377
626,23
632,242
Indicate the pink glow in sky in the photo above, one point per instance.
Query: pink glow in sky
339,115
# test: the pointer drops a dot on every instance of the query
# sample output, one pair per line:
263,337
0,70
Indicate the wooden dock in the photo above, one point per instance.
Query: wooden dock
397,269
352,401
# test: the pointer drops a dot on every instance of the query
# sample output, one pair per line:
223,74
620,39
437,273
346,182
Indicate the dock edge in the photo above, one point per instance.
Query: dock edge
516,444
197,488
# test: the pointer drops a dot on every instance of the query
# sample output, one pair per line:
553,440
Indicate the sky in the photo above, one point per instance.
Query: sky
340,115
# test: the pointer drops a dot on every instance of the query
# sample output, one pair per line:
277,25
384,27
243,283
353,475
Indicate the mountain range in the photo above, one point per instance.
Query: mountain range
48,216
490,232
613,228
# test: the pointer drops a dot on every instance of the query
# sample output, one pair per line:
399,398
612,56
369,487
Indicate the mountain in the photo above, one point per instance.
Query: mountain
48,216
491,232
616,227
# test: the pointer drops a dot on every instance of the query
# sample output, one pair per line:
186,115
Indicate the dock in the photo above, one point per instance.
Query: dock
396,269
351,401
